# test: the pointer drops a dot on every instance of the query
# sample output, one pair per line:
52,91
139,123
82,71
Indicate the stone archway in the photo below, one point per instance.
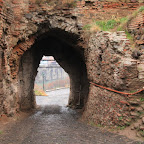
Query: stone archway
101,57
70,57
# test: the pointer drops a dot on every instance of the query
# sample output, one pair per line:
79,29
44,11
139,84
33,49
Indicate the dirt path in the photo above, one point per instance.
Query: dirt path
57,124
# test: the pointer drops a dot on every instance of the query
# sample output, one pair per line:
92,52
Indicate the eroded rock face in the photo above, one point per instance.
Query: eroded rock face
105,58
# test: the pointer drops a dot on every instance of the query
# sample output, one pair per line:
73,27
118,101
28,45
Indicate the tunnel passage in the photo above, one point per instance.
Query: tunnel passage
70,58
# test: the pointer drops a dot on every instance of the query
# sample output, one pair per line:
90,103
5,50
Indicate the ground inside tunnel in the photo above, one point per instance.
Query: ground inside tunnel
69,58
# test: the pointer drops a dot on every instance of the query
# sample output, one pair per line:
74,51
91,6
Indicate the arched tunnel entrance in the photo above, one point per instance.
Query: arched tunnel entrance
69,57
52,84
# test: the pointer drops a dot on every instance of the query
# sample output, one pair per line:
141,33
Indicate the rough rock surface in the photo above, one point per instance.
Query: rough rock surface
28,33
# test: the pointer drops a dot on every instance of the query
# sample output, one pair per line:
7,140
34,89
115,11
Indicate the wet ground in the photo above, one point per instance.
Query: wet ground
54,123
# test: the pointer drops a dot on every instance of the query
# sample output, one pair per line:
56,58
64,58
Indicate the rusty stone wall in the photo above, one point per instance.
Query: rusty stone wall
108,4
107,57
110,64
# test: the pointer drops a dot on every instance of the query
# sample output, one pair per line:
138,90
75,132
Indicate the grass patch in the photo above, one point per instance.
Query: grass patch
95,125
142,132
87,27
118,23
128,123
106,25
120,118
128,35
121,127
99,125
111,24
40,93
1,132
139,113
133,91
141,9
141,99
114,24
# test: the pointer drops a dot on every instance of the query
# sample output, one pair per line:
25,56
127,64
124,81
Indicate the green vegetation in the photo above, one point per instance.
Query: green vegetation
114,24
120,118
1,132
139,143
139,113
40,93
107,25
87,27
121,127
95,125
142,132
99,125
128,123
133,91
128,35
141,9
141,99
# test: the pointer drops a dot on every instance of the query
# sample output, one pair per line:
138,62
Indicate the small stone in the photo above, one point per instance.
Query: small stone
142,47
136,54
138,134
143,120
28,16
136,125
134,114
134,102
132,108
133,1
119,115
141,127
132,128
138,37
139,109
142,106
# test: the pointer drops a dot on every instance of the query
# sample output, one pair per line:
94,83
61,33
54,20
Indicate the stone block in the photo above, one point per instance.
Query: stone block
141,127
140,67
135,114
141,75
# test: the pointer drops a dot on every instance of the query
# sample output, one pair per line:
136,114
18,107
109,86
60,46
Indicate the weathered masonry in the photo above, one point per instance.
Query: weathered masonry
26,34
